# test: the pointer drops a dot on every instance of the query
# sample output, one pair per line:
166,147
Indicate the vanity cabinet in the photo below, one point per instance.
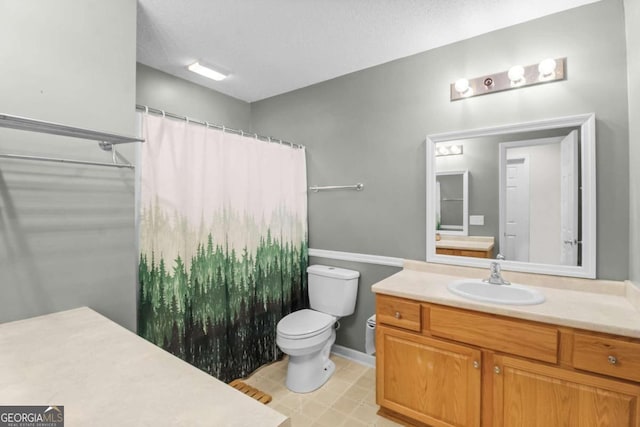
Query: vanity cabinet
465,252
443,366
533,394
429,380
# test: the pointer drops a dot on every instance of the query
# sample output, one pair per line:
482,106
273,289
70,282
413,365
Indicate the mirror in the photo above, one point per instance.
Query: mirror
529,196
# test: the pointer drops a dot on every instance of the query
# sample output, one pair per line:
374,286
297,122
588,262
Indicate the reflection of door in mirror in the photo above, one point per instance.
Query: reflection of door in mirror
538,200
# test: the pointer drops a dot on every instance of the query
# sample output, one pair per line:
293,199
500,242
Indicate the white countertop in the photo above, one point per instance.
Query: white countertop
104,375
609,312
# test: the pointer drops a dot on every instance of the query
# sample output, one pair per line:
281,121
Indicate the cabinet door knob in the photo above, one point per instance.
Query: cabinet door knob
476,364
496,369
612,359
398,315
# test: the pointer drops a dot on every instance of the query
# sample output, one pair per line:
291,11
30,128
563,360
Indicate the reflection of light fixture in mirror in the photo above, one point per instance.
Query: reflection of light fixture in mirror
462,87
448,150
518,76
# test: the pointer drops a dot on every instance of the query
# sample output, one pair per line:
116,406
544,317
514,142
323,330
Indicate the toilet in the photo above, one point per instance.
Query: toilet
307,335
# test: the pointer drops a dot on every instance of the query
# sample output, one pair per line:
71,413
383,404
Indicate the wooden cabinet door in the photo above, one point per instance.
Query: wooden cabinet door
532,394
429,380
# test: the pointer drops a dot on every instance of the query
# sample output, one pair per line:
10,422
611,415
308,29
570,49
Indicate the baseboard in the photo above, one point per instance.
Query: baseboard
355,355
355,257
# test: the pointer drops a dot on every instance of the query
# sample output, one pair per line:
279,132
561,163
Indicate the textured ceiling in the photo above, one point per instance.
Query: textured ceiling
272,47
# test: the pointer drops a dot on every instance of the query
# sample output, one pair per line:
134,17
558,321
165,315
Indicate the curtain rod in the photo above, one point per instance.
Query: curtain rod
163,113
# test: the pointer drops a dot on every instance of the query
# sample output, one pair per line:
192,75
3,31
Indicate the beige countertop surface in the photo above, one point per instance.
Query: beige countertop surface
473,243
601,306
105,375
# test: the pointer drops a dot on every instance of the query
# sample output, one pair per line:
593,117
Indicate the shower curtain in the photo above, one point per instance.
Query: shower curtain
223,244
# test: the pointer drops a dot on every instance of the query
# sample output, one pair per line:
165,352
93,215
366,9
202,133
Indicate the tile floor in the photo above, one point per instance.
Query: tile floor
347,399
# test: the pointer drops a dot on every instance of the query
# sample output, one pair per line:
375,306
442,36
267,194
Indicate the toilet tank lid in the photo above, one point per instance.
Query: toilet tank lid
328,271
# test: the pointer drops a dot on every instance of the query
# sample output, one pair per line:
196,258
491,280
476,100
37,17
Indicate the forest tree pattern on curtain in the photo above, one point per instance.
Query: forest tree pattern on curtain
223,245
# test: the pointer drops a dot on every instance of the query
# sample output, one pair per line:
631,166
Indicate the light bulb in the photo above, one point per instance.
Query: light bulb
462,86
455,149
443,151
547,68
516,75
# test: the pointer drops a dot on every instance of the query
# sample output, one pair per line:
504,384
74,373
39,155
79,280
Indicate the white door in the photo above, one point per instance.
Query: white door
516,227
569,199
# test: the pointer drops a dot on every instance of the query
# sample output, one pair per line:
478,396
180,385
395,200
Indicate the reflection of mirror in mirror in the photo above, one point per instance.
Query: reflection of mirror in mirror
452,202
524,193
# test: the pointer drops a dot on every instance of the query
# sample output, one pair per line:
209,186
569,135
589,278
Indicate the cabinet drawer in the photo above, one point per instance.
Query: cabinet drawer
398,312
608,356
521,338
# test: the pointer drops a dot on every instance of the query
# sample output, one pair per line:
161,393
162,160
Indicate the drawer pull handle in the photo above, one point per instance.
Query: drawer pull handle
496,369
612,360
398,315
476,364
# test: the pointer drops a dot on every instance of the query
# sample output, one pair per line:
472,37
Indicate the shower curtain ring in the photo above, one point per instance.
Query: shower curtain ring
163,114
146,109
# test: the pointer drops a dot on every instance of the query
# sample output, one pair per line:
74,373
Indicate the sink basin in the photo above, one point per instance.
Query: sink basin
479,290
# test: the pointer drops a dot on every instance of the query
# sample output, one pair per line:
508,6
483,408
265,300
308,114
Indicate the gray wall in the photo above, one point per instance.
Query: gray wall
67,232
166,92
632,15
370,127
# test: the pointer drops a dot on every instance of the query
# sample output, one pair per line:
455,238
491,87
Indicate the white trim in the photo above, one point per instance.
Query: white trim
351,256
355,355
587,123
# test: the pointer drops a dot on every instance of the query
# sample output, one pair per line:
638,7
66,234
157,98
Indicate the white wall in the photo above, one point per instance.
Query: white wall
67,234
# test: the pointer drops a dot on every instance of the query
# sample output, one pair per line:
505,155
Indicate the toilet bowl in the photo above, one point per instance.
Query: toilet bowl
307,335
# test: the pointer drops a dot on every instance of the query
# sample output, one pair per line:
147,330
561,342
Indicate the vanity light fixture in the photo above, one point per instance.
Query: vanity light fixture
516,75
448,150
208,72
462,87
548,70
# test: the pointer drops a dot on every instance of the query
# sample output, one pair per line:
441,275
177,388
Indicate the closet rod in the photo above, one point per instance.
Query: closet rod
163,113
34,125
58,160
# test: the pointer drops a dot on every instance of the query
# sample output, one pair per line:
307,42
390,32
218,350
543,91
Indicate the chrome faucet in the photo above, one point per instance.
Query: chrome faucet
495,278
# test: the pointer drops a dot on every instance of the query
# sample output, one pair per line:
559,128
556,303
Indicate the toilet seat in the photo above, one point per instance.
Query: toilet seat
304,323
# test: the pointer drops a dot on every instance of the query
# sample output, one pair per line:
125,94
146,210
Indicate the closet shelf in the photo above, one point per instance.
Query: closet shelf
33,125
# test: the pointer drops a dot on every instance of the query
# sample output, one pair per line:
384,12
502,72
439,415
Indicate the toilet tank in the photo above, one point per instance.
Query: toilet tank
332,290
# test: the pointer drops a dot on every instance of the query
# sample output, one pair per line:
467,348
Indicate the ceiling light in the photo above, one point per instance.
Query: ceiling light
196,67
